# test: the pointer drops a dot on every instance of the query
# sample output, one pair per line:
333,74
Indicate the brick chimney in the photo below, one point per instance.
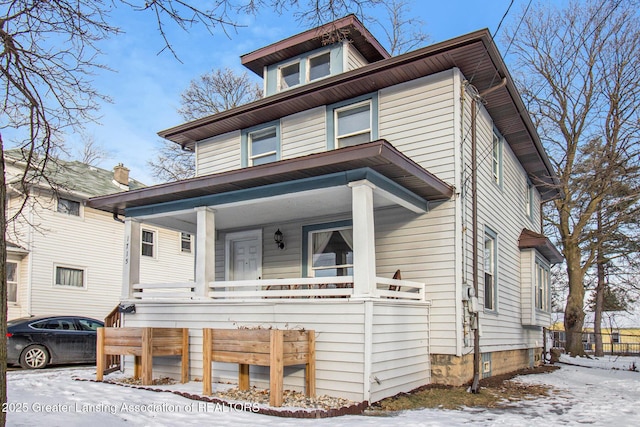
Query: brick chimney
121,174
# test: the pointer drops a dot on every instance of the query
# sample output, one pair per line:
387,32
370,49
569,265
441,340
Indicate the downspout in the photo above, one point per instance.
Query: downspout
475,386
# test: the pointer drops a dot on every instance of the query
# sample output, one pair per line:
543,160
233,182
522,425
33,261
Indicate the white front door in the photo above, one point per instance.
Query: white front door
244,255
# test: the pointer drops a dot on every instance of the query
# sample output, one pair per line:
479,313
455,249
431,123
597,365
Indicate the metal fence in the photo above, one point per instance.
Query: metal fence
612,343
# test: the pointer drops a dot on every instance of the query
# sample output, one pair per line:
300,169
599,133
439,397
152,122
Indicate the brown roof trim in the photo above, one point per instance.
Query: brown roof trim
379,155
312,39
475,54
531,240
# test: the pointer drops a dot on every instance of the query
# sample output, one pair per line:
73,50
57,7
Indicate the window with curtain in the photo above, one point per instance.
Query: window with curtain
72,277
331,252
148,243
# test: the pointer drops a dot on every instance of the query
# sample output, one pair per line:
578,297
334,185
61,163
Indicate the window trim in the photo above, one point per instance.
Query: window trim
154,243
331,116
79,215
69,267
279,75
491,235
16,281
245,142
497,162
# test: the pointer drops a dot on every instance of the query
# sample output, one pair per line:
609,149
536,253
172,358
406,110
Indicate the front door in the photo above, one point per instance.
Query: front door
245,255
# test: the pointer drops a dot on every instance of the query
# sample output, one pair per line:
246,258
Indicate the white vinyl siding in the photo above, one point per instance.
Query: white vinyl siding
398,340
218,154
304,133
354,58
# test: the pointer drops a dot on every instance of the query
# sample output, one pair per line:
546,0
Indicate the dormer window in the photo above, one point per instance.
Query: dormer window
289,75
319,66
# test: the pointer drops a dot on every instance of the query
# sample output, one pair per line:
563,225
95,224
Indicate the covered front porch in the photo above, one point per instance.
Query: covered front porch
293,245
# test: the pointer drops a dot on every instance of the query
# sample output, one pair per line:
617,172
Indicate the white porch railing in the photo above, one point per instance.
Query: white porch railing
164,291
315,287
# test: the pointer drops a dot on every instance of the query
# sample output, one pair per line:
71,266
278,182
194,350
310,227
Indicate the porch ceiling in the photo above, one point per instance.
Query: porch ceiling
378,156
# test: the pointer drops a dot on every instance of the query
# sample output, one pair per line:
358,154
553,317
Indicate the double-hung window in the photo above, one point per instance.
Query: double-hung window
319,66
148,243
70,277
185,242
289,75
528,200
69,207
353,124
542,285
490,268
263,146
12,281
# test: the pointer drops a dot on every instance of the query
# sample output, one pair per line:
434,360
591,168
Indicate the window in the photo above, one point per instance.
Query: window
289,75
148,243
319,66
12,281
496,163
490,267
263,146
528,200
185,242
331,252
71,277
542,286
353,124
69,207
615,337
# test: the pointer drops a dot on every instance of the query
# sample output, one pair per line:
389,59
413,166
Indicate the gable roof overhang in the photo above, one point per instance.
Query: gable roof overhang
476,56
349,28
378,156
531,240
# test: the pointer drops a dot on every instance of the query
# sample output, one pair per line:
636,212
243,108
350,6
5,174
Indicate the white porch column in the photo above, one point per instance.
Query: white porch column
364,244
132,251
205,250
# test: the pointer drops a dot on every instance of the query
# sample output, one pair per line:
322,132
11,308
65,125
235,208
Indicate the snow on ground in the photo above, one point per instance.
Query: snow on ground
598,392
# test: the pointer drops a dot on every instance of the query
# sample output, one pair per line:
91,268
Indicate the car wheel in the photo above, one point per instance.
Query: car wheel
34,357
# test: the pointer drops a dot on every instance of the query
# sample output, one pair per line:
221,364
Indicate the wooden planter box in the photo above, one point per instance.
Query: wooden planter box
262,347
143,343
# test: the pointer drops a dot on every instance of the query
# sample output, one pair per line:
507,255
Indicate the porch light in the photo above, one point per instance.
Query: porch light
279,239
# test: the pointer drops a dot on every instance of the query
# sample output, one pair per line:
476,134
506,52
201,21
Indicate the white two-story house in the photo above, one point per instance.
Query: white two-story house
65,258
391,204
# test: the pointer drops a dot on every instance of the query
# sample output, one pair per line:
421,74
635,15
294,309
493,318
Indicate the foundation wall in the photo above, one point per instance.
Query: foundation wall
456,370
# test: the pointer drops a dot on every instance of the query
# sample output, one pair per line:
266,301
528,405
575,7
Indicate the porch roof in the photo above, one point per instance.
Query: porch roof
379,156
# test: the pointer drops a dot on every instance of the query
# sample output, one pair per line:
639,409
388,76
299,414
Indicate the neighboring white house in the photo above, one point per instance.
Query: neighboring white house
348,200
66,258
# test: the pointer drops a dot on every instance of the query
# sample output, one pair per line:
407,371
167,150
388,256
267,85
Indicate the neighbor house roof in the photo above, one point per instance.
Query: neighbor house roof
347,28
379,156
72,177
475,54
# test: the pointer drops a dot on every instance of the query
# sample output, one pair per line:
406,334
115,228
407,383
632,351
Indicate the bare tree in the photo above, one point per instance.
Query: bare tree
91,152
172,163
402,33
48,52
216,91
580,77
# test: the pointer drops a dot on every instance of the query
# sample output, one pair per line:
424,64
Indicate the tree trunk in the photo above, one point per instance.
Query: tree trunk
3,288
574,311
600,287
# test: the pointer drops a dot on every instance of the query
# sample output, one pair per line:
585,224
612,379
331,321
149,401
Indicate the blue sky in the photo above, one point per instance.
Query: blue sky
146,85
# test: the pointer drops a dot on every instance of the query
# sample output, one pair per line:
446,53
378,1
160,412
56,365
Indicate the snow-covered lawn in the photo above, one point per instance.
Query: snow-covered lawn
597,392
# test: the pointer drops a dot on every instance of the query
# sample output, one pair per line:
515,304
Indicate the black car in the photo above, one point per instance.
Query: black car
35,342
